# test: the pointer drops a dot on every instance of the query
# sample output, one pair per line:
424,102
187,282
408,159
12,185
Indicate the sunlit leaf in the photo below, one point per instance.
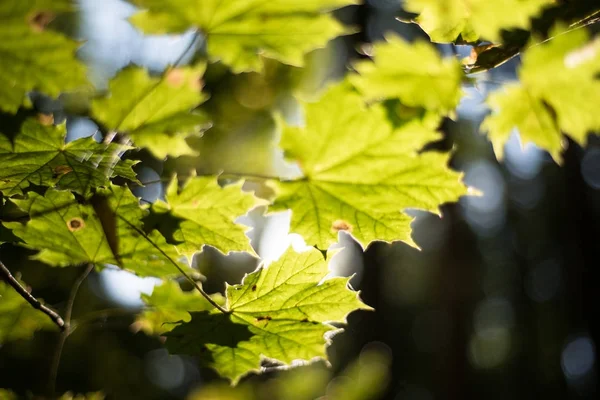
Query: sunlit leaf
558,91
33,57
155,112
239,32
444,20
411,72
39,155
360,173
207,213
69,233
280,312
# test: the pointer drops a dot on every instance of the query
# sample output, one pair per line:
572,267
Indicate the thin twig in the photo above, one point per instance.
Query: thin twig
181,271
67,331
10,279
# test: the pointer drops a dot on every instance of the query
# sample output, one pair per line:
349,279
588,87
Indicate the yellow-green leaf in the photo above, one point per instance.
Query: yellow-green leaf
18,319
32,57
39,155
239,32
411,72
361,173
558,91
155,112
207,213
444,20
282,312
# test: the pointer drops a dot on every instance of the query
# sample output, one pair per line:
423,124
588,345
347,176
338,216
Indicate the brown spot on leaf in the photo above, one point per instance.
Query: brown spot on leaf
341,225
266,318
175,77
75,224
254,288
39,20
304,320
45,119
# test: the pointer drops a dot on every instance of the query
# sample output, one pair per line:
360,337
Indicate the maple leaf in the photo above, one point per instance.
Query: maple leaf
444,20
558,91
155,112
360,172
32,57
170,306
239,32
411,72
206,213
18,319
281,312
68,233
39,155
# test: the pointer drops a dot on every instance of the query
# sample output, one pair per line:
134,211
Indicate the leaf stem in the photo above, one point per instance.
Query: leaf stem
67,331
10,279
181,271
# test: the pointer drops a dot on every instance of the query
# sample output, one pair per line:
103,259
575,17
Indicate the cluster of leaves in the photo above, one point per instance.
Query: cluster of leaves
361,167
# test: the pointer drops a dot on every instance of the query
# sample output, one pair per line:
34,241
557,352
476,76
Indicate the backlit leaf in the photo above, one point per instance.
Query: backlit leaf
68,233
155,112
360,172
444,20
207,213
558,91
281,312
239,32
411,72
39,155
33,57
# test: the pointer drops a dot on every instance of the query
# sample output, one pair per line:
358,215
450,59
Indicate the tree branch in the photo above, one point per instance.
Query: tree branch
35,303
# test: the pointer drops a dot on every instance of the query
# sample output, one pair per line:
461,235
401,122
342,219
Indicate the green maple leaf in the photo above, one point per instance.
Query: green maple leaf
558,91
360,173
207,212
411,72
18,319
39,155
169,306
281,312
444,20
33,58
108,229
239,32
155,112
